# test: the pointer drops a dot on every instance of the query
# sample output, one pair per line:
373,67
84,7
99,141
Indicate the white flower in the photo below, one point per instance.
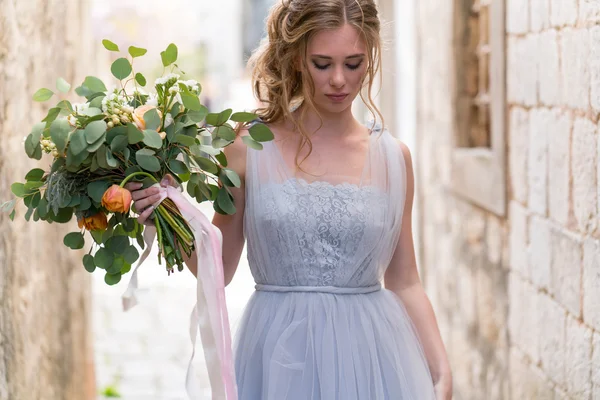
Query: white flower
173,89
163,80
80,107
152,100
168,120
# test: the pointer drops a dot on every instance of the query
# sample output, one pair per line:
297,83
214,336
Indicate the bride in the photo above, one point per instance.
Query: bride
326,211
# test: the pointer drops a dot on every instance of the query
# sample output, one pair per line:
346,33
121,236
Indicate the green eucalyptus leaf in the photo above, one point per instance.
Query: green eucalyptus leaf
185,140
178,167
152,119
8,206
93,112
43,94
18,189
32,185
252,143
53,113
35,174
224,132
65,106
131,254
119,144
74,240
94,131
225,202
140,79
110,46
121,68
198,115
117,244
12,215
103,258
96,190
261,133
59,132
207,165
111,161
42,207
94,84
137,51
134,135
147,161
97,144
232,176
62,85
169,56
152,139
112,279
191,101
77,142
243,117
88,263
116,266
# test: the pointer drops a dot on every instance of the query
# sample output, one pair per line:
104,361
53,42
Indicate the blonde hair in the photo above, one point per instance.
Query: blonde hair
279,83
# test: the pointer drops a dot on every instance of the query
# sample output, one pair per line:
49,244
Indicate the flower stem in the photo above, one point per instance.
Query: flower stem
128,177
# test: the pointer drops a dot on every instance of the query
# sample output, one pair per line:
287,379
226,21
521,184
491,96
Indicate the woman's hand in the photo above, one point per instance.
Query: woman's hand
143,199
443,389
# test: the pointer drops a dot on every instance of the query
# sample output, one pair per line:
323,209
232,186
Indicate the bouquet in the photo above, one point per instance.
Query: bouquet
114,136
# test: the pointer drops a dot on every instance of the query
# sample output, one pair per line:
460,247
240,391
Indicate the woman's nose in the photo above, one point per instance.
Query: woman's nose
338,79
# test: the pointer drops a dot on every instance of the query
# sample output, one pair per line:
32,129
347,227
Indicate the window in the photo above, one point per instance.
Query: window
478,154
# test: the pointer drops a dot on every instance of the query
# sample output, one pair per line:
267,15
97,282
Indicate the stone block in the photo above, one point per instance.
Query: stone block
591,282
575,58
559,143
584,161
540,120
517,157
566,267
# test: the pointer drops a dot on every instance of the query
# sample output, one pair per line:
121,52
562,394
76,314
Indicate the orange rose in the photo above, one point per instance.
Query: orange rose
116,199
138,116
96,222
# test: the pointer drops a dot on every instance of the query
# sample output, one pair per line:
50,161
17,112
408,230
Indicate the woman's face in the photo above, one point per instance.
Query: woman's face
337,62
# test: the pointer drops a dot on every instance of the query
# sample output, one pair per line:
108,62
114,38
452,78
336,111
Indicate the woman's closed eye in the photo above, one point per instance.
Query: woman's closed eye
350,66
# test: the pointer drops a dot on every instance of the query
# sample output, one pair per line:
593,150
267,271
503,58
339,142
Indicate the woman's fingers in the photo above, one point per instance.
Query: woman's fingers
141,204
143,217
143,193
132,186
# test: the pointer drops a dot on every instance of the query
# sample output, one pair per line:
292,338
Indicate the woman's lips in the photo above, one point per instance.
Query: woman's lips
337,97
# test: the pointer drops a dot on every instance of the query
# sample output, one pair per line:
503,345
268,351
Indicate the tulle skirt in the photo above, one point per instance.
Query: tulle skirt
323,346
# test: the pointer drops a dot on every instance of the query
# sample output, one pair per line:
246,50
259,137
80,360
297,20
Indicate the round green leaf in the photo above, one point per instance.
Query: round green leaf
74,240
96,190
112,279
169,56
110,46
119,144
198,116
18,189
134,135
137,51
224,132
261,133
191,101
224,202
139,78
243,117
116,266
117,244
152,119
103,258
178,167
35,174
207,165
43,94
121,68
59,132
88,263
253,144
152,139
146,161
95,146
94,131
131,254
94,84
62,85
233,177
77,143
185,140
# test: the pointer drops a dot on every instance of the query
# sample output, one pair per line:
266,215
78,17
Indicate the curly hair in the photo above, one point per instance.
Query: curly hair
277,81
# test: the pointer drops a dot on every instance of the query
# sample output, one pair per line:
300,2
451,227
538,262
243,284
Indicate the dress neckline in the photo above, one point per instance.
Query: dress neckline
289,175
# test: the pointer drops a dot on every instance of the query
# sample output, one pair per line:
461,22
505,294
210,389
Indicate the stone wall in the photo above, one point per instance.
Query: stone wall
518,296
45,340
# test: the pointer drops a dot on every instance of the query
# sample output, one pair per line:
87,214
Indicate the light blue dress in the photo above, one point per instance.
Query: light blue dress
320,326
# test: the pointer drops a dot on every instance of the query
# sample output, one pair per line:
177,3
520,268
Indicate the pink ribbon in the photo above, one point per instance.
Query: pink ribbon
210,312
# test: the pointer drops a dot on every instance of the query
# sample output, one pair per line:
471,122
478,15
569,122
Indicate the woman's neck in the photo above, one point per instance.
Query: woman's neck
328,124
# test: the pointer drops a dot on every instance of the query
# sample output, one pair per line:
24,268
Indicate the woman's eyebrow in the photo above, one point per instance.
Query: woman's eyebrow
330,58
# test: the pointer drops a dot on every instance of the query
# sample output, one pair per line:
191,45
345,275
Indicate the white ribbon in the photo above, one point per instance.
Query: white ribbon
210,312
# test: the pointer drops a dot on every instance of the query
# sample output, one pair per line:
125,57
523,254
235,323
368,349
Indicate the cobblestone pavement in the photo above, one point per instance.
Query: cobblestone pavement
143,353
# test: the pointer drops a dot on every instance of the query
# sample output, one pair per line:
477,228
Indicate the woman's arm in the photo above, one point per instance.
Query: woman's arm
402,278
231,226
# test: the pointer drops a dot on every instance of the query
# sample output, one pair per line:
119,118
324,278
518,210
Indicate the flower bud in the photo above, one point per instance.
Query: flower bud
116,199
96,222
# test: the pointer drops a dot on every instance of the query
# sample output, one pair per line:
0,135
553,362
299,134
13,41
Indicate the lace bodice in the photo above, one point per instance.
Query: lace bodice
320,233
